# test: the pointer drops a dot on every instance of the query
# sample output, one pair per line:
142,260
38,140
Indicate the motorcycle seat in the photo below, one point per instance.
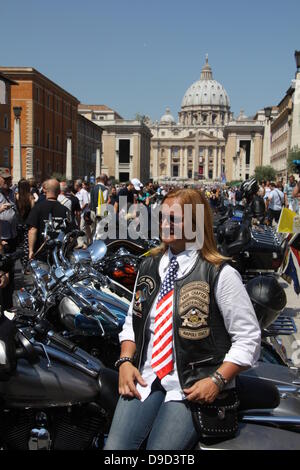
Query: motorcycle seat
255,393
109,395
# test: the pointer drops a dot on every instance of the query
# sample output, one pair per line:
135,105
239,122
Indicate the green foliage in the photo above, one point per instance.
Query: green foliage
234,183
113,180
58,176
265,173
294,154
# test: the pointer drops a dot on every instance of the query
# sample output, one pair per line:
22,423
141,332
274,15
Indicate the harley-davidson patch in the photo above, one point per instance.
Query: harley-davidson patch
196,295
194,318
194,334
145,287
150,283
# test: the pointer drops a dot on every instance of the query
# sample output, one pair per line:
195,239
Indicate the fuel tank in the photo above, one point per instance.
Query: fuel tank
37,385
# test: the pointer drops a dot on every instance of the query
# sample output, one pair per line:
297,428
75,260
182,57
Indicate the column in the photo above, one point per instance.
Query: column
186,163
219,172
181,168
29,162
215,164
98,162
117,160
196,157
206,163
155,164
17,155
252,163
169,163
69,169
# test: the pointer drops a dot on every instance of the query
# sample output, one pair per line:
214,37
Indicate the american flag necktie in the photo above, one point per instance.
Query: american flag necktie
162,351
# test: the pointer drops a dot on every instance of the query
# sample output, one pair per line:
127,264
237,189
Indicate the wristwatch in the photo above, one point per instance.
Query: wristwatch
122,360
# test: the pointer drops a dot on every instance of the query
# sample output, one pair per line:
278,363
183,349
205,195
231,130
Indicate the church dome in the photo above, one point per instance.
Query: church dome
206,91
167,118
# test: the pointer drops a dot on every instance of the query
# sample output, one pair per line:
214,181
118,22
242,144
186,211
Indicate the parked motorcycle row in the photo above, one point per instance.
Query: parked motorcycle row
62,390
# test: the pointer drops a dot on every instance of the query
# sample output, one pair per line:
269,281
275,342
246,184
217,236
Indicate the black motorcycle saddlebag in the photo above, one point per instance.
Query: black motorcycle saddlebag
7,347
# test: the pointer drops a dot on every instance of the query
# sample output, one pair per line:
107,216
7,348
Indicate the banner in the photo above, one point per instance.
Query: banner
289,222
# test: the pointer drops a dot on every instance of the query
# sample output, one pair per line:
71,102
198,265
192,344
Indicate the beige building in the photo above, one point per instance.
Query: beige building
89,140
194,148
125,143
244,146
281,134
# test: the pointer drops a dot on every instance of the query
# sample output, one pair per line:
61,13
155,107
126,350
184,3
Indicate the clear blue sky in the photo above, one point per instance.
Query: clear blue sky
141,56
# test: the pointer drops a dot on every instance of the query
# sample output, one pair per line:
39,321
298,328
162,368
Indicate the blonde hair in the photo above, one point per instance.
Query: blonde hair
209,251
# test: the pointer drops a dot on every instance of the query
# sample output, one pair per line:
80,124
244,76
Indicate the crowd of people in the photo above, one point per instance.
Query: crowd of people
25,207
158,388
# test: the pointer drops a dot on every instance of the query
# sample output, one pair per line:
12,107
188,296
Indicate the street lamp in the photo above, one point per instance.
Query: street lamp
268,112
297,59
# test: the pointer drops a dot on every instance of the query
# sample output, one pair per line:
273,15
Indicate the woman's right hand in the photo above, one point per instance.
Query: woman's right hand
128,376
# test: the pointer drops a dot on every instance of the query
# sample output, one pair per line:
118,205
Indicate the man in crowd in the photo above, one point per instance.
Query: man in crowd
85,222
39,214
99,199
99,194
290,201
8,220
128,192
63,197
274,203
296,193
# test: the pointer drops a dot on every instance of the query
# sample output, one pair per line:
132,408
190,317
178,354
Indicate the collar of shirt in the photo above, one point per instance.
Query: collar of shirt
186,260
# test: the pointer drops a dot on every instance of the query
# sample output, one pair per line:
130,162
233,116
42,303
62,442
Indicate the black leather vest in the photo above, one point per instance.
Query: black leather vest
201,340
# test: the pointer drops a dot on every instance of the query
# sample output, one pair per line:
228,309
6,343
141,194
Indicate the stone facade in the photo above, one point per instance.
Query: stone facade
48,113
125,143
281,134
244,147
194,148
89,137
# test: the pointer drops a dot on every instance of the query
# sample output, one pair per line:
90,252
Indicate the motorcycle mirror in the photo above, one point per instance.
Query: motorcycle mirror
97,250
82,256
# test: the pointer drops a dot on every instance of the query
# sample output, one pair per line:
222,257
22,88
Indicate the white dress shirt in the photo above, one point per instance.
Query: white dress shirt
239,319
84,200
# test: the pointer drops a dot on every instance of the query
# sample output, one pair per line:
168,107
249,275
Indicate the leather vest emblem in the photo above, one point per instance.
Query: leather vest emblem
144,288
194,310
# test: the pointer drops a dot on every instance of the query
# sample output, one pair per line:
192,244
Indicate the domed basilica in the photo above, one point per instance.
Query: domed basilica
194,148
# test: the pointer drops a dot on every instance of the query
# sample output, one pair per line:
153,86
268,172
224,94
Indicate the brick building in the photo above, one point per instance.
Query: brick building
48,112
89,137
5,125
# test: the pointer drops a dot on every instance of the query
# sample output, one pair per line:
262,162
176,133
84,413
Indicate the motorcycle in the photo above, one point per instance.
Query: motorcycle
58,397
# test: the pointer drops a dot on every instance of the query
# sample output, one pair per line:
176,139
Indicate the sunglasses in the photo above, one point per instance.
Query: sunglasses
170,218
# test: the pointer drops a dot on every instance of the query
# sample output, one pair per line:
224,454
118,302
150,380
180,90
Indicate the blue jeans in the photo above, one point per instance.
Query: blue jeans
168,426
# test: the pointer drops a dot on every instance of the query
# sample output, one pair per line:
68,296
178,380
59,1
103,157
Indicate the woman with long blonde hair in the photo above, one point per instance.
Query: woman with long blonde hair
190,330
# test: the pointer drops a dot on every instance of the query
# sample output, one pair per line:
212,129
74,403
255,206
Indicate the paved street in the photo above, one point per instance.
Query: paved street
292,309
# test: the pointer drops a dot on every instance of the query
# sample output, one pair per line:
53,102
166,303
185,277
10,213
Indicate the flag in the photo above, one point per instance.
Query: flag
289,221
100,202
291,272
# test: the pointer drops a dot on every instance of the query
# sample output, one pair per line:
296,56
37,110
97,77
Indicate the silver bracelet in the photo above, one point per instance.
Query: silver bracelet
217,381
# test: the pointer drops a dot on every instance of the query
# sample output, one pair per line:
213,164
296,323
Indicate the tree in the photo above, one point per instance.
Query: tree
58,176
294,154
264,173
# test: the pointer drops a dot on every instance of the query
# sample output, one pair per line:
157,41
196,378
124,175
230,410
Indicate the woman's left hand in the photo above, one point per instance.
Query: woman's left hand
205,391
